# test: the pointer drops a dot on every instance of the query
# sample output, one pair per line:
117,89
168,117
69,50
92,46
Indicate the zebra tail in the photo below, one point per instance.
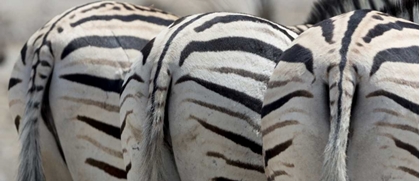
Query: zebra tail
341,99
30,167
160,163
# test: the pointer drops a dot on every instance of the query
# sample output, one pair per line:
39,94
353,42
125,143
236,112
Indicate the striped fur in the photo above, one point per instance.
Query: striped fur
191,109
362,67
64,90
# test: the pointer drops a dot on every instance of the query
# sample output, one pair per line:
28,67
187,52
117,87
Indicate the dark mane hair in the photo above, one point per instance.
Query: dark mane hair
323,9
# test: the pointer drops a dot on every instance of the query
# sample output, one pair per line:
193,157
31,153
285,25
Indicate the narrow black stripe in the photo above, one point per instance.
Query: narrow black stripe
96,7
106,128
125,18
269,154
408,55
407,147
132,77
221,179
380,29
267,109
250,102
413,107
409,171
242,73
236,163
249,45
128,168
125,42
17,122
23,53
122,127
13,82
146,50
107,168
239,18
352,24
125,6
165,49
37,38
298,54
236,138
108,85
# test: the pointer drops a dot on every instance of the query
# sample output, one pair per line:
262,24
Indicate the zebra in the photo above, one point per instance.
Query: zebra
324,9
190,107
65,88
342,103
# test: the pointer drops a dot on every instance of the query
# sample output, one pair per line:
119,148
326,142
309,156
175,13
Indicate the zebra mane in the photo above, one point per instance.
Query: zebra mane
323,9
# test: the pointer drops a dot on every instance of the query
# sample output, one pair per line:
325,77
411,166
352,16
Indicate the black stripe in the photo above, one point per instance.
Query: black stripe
236,138
146,50
165,49
125,18
132,77
248,101
108,85
243,44
107,168
125,42
270,153
106,128
236,18
13,82
125,6
128,167
352,24
17,122
96,7
236,163
372,5
406,54
267,109
327,27
298,54
407,147
221,179
413,107
48,118
242,73
380,29
23,53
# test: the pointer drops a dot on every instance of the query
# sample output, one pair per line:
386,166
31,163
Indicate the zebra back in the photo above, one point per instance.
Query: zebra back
83,54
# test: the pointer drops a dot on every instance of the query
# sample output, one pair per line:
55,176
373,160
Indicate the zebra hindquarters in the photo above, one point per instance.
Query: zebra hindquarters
295,119
384,122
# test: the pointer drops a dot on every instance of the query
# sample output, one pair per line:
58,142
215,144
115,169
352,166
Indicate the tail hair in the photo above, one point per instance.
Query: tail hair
334,166
159,164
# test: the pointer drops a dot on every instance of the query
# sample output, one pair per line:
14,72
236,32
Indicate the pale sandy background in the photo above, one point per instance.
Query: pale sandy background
20,18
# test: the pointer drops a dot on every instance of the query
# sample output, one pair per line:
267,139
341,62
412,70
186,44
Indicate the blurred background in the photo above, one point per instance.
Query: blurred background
19,19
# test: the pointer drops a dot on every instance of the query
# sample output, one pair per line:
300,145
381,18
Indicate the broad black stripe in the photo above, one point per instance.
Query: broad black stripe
125,42
327,27
132,77
267,109
235,18
353,23
109,169
250,102
13,82
23,53
243,44
236,138
146,50
105,84
96,7
165,49
404,54
125,18
106,128
236,163
298,54
270,153
413,107
380,29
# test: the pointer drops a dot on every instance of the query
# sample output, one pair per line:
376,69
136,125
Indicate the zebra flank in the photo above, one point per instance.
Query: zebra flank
199,104
362,112
64,90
